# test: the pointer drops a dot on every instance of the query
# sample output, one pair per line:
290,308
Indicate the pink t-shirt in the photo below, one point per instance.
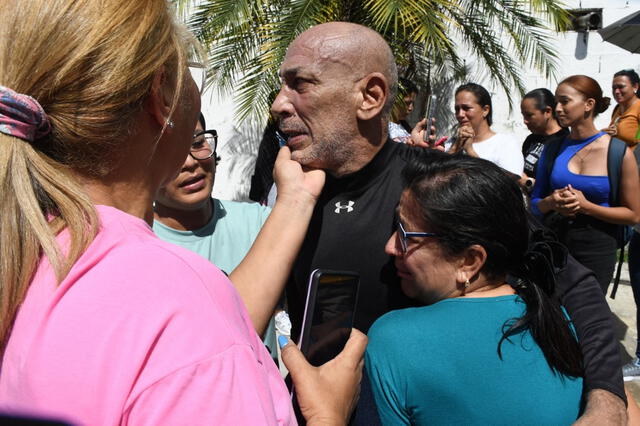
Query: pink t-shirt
140,332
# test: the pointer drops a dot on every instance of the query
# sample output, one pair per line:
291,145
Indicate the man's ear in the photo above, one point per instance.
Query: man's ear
374,92
158,102
470,263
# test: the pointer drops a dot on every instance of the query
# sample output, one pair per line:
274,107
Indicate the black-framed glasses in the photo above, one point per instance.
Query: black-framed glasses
204,145
404,236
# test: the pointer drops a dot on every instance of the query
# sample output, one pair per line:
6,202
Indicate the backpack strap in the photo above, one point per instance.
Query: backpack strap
615,155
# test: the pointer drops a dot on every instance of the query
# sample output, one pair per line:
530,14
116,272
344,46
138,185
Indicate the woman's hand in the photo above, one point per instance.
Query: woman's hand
292,181
564,202
328,394
583,203
260,283
464,140
611,130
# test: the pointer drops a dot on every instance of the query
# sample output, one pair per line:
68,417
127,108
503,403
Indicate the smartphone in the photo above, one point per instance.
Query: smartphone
328,314
429,115
329,310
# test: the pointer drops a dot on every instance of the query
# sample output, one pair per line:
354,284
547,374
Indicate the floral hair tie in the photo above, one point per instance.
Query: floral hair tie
22,116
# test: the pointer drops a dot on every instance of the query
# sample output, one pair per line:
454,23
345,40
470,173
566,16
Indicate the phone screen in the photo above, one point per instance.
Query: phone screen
328,317
329,312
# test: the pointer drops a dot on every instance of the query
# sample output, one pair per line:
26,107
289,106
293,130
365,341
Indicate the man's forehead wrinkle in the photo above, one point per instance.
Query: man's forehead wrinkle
330,49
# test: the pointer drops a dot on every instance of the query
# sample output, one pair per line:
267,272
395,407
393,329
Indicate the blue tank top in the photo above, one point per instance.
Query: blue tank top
595,188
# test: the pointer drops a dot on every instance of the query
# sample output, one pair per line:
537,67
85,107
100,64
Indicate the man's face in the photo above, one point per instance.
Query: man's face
316,105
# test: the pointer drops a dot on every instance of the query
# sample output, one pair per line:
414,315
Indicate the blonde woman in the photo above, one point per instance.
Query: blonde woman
101,322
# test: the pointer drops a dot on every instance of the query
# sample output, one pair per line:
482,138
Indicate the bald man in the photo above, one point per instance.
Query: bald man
338,84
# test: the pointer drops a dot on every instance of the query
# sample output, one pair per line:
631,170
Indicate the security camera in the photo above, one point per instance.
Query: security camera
586,22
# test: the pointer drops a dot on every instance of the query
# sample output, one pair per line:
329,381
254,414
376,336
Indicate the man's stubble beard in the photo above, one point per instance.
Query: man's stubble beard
329,154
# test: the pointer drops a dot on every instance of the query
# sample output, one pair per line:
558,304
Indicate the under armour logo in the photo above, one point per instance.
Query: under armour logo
348,207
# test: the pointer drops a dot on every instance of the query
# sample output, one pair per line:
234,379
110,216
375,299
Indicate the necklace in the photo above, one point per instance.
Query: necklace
582,156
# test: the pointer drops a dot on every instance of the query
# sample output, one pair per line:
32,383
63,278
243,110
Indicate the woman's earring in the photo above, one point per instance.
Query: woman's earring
466,284
170,124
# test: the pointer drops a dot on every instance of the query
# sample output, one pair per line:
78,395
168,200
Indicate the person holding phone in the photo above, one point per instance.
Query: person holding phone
474,136
103,322
479,340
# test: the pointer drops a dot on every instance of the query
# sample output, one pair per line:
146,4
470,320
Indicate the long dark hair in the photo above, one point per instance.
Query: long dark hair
466,201
483,98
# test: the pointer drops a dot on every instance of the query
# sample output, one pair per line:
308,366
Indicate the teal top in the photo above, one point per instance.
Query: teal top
228,236
439,365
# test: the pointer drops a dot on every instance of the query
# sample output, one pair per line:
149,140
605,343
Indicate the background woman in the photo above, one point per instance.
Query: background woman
626,115
578,187
538,112
474,114
101,321
468,356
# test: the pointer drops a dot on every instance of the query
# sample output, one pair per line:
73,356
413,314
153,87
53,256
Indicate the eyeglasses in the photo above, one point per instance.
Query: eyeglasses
199,73
204,145
404,236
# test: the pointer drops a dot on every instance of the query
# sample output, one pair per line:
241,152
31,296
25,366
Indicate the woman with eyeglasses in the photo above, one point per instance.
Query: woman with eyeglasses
101,322
481,349
187,215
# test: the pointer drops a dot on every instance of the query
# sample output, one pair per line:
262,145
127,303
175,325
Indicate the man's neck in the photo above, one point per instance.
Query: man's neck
184,220
362,153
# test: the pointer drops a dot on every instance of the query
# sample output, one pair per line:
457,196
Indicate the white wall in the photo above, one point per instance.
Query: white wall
237,145
577,54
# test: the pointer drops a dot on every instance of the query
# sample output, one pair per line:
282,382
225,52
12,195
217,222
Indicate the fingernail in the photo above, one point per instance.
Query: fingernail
282,341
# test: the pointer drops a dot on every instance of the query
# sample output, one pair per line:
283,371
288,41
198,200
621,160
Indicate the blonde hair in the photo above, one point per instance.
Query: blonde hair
90,64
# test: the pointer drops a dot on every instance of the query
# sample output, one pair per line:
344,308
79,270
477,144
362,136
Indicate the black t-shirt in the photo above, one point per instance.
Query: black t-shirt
350,226
533,146
353,220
